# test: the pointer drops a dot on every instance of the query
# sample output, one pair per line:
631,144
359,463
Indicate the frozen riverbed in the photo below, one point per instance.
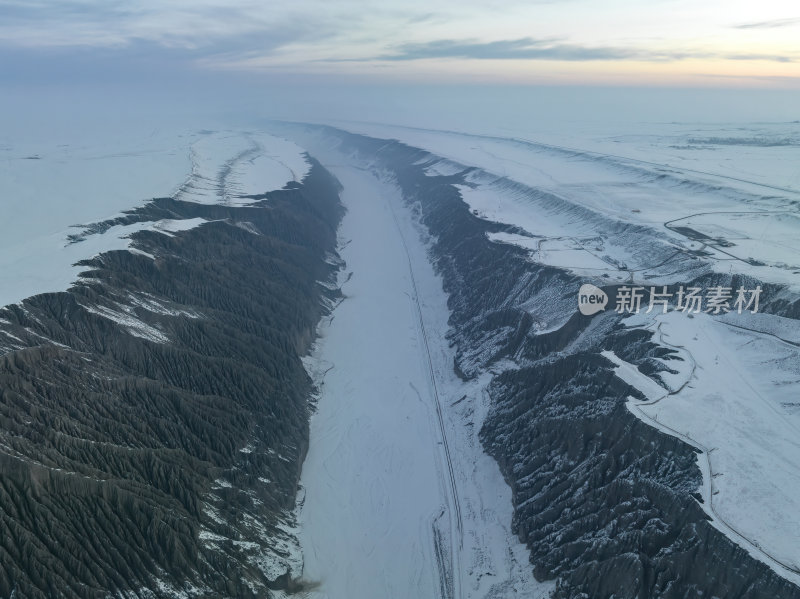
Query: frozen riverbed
385,513
370,477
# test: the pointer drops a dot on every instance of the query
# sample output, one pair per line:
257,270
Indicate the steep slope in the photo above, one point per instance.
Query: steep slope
154,417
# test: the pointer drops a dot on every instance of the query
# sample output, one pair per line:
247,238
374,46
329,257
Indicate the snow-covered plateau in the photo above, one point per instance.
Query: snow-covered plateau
53,194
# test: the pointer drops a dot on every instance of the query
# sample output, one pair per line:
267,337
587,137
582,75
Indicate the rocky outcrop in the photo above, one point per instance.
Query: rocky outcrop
154,418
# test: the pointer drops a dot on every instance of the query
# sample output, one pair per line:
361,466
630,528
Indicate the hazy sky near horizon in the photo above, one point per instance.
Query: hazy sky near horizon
626,42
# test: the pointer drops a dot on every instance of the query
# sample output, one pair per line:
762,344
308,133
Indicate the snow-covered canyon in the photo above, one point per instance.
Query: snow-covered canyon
469,429
398,498
612,220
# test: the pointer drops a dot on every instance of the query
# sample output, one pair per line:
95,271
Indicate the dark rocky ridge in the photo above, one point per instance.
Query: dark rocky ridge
123,439
604,502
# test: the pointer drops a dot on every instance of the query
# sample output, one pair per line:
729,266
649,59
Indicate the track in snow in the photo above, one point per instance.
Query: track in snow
449,570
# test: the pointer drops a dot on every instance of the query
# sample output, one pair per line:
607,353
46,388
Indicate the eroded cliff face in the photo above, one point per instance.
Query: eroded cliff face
154,418
606,504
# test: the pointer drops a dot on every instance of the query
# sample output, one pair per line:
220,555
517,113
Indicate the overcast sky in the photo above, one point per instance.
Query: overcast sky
661,42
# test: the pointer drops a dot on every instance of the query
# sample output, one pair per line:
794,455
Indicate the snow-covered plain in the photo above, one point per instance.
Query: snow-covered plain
227,166
734,395
731,192
49,192
385,512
